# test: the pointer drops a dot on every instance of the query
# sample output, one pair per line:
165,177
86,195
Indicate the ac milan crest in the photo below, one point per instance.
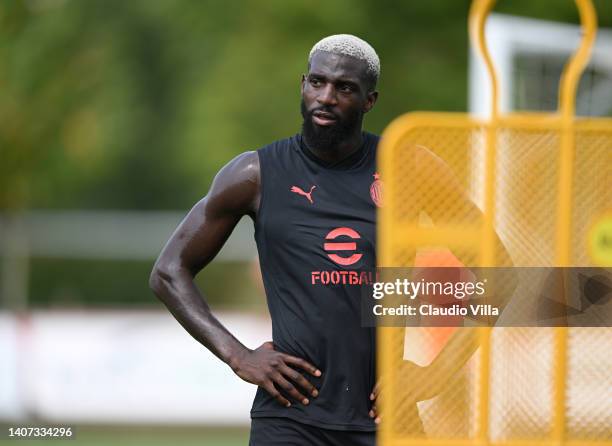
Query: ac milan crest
376,191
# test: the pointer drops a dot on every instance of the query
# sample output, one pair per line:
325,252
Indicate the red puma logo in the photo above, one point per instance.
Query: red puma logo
299,191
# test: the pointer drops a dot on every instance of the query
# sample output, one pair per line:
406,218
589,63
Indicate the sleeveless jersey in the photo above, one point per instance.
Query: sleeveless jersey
315,233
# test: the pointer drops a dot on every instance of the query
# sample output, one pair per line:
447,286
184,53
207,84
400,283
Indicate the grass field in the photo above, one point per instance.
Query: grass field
144,436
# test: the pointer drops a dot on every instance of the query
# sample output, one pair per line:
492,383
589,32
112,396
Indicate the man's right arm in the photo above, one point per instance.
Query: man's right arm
193,245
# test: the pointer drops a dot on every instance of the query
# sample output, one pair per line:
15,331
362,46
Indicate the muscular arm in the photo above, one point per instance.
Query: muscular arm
193,245
196,241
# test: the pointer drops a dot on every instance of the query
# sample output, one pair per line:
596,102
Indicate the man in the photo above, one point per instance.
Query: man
313,201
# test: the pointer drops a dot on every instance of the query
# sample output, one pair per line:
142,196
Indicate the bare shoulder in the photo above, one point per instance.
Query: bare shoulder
244,167
235,188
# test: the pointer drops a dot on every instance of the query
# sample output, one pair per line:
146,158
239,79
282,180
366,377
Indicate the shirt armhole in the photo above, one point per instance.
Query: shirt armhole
262,193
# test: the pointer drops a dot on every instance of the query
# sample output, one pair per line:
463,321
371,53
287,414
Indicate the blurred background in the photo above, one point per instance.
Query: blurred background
114,118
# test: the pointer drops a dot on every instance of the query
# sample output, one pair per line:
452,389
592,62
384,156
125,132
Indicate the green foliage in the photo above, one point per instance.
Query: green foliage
137,104
71,283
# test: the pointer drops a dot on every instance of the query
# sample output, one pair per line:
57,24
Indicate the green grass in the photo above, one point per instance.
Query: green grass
145,436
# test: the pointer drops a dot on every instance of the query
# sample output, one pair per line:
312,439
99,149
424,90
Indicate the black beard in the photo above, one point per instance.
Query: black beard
328,138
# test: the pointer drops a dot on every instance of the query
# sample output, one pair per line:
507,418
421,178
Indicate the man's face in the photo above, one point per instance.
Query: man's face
334,99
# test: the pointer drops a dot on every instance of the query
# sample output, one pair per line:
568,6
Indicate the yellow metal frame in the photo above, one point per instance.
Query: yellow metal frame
564,121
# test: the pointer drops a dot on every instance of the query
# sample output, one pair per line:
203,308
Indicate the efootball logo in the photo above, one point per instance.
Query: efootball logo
341,247
334,249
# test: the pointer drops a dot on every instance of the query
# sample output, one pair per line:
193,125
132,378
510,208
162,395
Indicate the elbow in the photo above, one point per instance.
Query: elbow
169,280
155,280
160,279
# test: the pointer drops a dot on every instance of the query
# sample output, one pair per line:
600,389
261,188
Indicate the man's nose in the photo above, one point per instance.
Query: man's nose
327,96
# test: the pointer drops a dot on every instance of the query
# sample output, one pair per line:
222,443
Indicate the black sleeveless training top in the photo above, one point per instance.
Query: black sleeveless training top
315,233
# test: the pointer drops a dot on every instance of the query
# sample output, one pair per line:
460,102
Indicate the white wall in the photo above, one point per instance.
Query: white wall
120,367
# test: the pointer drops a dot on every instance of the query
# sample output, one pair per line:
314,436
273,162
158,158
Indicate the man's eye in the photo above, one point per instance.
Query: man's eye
346,88
315,82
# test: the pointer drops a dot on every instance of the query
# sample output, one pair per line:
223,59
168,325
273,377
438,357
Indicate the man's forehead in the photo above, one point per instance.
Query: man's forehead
337,65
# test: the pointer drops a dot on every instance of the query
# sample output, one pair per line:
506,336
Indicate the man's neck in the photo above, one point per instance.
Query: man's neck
343,151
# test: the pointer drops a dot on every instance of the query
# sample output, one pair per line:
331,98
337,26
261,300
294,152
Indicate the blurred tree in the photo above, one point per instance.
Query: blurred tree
136,104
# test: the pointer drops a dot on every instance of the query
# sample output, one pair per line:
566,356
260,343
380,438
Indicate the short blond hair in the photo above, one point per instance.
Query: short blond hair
349,45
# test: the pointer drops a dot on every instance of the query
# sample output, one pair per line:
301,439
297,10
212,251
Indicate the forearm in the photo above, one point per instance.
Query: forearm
186,303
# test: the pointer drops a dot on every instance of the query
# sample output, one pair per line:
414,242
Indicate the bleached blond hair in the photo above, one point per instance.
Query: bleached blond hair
349,45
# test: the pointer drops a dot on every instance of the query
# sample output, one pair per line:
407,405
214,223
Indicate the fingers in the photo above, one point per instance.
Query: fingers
373,397
375,391
374,414
297,378
269,387
290,389
280,380
376,388
303,364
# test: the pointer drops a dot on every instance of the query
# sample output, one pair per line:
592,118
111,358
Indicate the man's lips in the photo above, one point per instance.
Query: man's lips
324,118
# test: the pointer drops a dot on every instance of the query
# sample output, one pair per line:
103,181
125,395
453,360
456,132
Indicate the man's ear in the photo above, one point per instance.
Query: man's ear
302,83
370,101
